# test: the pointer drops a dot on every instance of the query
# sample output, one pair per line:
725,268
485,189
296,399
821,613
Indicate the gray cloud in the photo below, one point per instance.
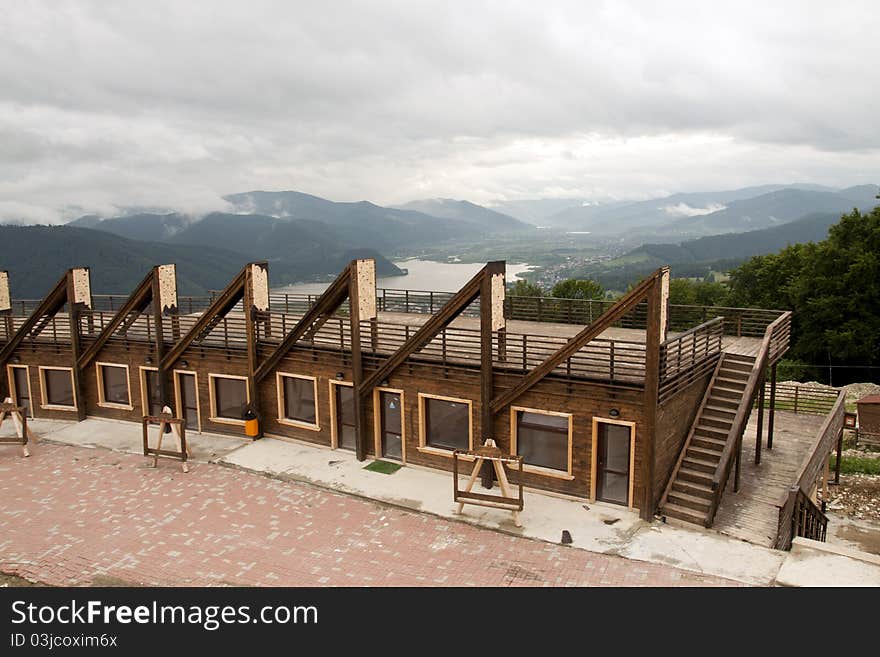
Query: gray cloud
104,105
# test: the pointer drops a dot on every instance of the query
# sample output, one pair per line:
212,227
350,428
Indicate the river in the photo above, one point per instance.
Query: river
423,275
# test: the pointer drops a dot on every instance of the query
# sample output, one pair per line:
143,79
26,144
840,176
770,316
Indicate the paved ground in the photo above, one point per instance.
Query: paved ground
76,516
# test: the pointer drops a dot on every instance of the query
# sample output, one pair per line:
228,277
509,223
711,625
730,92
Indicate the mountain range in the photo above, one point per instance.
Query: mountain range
679,216
306,237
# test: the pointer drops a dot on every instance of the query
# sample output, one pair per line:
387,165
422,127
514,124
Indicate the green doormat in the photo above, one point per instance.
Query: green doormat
385,467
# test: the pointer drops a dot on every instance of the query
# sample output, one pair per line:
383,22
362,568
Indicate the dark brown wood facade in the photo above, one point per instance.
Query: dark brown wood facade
240,335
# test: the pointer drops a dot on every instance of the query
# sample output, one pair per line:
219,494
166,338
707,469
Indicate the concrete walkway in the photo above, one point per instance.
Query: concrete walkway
596,528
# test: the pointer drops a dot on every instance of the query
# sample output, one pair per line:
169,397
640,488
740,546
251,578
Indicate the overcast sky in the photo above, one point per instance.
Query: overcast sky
173,104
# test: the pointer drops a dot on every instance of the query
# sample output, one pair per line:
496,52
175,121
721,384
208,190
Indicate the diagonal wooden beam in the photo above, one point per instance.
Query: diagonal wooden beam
135,303
554,360
225,301
323,309
429,330
50,305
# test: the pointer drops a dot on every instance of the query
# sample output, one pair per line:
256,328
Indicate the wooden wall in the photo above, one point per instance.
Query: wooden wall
674,419
583,400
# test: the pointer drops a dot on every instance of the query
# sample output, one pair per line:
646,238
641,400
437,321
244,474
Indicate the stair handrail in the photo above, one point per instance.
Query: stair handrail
743,411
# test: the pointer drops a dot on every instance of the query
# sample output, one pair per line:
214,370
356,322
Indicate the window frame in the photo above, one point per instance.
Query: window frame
44,400
10,380
102,401
212,396
442,451
280,395
566,474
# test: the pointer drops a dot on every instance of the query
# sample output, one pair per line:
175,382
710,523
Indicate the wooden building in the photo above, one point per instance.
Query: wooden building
635,402
868,409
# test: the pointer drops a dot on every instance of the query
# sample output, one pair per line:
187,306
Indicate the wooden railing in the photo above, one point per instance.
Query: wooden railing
817,400
733,445
615,361
688,356
796,517
738,322
799,516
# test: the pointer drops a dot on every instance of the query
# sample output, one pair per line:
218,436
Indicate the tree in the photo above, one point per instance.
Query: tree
686,292
523,288
832,286
578,289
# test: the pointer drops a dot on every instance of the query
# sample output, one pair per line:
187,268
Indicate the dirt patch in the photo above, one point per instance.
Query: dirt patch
15,580
857,496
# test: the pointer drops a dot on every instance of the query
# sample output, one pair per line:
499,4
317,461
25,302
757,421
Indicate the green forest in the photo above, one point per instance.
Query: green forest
832,286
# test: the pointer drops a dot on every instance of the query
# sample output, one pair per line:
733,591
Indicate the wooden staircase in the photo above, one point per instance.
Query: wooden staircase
690,494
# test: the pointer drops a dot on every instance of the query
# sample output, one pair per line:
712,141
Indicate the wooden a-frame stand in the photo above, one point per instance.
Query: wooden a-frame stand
488,452
19,419
178,428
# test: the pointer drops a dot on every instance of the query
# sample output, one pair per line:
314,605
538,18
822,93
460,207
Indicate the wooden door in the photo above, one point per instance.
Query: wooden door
391,425
613,442
22,389
344,417
189,401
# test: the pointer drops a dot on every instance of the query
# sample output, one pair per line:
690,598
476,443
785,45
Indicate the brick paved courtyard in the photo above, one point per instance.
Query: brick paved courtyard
76,516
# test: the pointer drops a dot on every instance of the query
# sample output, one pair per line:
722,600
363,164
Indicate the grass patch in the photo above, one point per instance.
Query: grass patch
383,467
856,464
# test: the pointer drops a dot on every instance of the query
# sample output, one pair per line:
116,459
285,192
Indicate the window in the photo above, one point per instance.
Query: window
229,397
113,387
446,422
542,438
57,388
297,400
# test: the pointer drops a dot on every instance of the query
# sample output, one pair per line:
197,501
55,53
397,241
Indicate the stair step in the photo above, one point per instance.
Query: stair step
692,488
738,357
689,501
684,513
722,403
707,443
716,422
699,465
719,410
726,393
733,375
709,454
736,384
711,432
737,365
686,474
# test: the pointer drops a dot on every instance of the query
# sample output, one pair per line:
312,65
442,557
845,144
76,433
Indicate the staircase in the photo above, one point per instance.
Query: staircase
690,494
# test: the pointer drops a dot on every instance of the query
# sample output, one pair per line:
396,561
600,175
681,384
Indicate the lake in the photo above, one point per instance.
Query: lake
423,275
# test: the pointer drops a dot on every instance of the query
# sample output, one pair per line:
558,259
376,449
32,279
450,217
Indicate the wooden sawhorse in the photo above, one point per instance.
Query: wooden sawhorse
167,424
489,452
19,419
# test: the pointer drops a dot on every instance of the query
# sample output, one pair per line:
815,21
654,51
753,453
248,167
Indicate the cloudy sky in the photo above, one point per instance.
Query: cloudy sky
173,104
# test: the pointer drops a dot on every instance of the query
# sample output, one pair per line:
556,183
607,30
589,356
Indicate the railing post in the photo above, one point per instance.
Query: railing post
771,419
759,436
431,301
611,361
736,466
796,388
406,302
525,358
